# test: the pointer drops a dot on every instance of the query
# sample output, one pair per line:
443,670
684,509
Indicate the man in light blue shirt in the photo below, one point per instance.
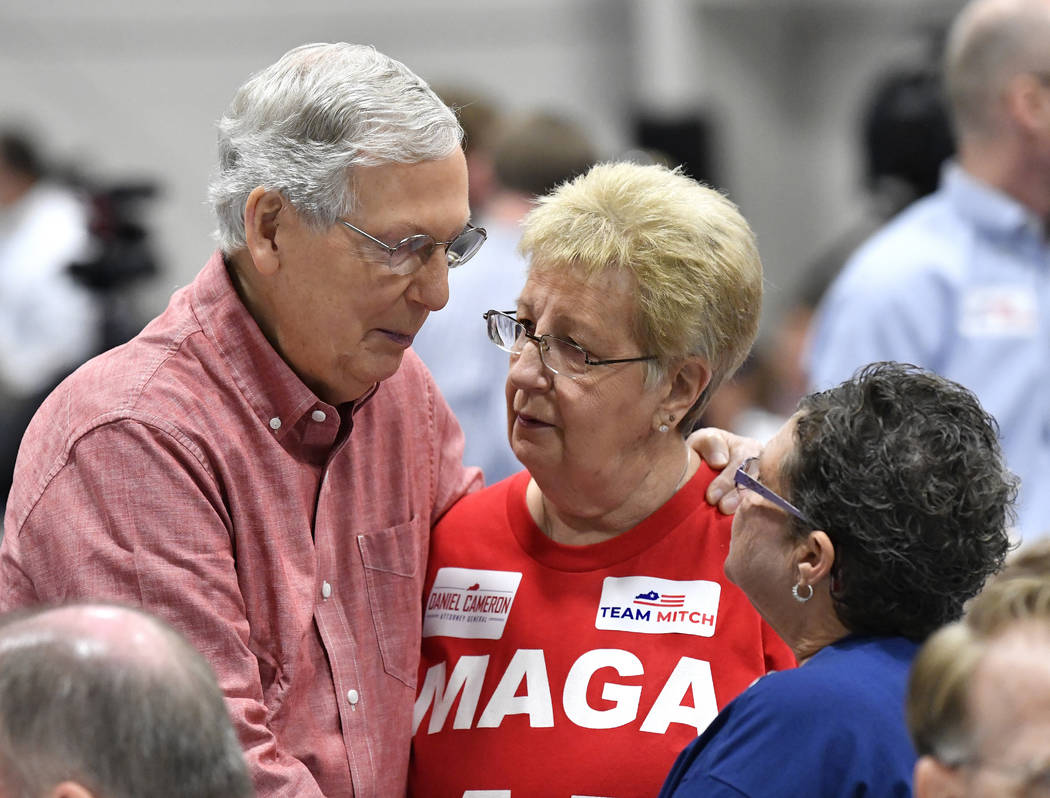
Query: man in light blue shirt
959,283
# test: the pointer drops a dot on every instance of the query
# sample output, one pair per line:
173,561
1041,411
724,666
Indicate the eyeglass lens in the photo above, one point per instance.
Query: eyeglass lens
559,356
413,252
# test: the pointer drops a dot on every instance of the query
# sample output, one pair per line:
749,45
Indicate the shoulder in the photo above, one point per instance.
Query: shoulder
825,728
926,240
485,505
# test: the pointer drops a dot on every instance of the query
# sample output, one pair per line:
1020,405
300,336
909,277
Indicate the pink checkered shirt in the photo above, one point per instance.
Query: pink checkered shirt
191,472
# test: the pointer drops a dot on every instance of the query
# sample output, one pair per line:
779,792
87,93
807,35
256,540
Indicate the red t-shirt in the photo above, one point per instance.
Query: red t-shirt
566,671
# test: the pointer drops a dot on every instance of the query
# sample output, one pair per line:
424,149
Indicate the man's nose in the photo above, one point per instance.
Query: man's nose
430,283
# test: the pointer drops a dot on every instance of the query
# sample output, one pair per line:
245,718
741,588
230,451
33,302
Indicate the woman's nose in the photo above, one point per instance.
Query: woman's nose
527,369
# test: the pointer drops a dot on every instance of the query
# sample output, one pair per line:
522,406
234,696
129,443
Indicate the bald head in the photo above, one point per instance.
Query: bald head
114,700
94,631
990,42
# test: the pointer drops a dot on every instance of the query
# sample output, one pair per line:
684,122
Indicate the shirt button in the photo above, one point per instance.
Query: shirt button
353,697
318,416
275,423
326,590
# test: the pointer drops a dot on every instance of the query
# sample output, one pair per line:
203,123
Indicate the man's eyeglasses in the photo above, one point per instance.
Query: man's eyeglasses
408,254
746,477
556,354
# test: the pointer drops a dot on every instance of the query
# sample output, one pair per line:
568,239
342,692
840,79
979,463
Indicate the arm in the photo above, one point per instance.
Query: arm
136,516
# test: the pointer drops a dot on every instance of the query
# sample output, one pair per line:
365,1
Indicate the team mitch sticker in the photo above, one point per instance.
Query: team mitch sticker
470,603
658,606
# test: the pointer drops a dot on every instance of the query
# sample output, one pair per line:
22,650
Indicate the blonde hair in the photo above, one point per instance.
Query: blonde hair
693,257
938,707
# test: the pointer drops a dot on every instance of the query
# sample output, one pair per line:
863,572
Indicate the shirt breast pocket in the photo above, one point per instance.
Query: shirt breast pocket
393,564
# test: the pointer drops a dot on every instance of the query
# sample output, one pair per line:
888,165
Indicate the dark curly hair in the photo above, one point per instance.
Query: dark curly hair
902,469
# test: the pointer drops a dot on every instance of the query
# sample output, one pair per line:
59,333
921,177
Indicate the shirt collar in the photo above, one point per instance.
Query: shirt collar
988,207
275,393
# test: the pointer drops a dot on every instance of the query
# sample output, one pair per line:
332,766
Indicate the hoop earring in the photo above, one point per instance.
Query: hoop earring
801,599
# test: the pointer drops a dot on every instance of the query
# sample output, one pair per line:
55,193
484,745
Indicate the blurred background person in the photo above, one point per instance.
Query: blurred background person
102,701
49,322
959,282
979,697
531,153
479,116
903,137
866,523
592,582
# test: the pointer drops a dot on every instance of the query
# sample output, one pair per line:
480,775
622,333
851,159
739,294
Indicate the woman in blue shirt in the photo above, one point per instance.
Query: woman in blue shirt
875,512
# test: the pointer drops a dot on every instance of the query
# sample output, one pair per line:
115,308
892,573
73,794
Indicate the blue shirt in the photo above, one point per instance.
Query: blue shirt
833,727
959,283
470,370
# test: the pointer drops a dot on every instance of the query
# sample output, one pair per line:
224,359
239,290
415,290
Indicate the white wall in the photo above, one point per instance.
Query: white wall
134,88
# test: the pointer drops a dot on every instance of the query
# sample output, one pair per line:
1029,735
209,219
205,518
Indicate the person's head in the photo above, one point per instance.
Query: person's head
106,701
480,118
20,165
635,262
1032,559
533,153
979,697
328,160
894,508
907,136
997,71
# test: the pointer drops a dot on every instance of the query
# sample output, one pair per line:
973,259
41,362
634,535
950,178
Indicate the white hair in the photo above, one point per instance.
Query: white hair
303,124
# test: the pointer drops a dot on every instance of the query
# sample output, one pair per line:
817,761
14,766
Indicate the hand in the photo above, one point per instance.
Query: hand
726,451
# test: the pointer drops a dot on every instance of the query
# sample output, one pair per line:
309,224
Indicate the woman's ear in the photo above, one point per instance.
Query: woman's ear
261,221
934,779
686,380
816,557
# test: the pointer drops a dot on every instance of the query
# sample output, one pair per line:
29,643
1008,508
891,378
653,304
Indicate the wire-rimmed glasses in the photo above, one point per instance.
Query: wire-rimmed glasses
557,355
409,254
746,477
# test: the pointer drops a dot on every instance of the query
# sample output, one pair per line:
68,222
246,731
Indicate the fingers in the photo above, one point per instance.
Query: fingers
726,451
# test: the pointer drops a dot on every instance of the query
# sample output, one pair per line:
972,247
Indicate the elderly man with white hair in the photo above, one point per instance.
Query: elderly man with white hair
262,465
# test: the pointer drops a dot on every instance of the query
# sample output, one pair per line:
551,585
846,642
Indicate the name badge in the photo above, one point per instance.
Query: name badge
999,312
470,603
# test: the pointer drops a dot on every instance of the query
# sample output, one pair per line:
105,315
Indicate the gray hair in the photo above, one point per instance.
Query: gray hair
73,709
302,125
990,42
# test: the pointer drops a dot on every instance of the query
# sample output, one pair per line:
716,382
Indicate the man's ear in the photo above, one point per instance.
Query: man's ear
260,228
69,789
816,558
1027,101
933,779
686,381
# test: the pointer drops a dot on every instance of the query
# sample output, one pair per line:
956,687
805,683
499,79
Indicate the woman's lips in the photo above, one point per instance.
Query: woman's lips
530,422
